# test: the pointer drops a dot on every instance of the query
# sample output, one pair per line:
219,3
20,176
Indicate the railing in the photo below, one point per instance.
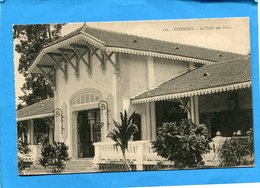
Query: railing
139,153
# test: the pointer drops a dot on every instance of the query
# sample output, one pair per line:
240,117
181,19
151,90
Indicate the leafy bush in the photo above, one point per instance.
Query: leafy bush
23,149
54,156
184,143
237,151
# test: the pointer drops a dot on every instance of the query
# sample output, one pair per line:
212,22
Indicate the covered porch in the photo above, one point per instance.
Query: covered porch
35,126
217,95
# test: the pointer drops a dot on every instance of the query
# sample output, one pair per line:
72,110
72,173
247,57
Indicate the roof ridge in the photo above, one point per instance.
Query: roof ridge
150,38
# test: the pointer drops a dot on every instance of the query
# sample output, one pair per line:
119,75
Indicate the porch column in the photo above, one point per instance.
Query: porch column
194,109
153,121
150,121
144,126
150,107
51,133
31,131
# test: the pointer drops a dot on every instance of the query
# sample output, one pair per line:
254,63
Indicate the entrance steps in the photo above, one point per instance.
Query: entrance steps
80,165
77,165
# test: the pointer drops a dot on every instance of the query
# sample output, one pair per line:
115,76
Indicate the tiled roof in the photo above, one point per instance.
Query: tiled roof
208,76
41,108
122,40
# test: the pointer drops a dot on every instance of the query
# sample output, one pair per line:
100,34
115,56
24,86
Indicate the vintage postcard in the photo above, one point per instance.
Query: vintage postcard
131,96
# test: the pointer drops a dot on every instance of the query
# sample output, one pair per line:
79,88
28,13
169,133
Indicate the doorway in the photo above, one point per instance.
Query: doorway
89,132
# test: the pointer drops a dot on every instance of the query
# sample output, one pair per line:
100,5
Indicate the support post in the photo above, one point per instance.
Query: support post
148,121
51,133
153,121
194,109
31,131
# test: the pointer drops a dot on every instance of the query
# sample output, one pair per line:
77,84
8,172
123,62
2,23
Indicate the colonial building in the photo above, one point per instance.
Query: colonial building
96,74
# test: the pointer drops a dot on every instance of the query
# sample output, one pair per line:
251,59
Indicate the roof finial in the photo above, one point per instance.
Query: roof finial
84,25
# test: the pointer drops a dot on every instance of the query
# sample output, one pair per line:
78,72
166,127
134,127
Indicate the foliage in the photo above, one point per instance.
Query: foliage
23,149
32,38
21,164
122,133
182,142
54,156
237,151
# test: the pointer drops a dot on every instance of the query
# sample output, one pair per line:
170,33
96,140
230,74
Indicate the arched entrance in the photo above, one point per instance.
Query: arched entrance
86,122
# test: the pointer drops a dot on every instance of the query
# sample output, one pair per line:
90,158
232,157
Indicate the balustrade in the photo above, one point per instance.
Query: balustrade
139,153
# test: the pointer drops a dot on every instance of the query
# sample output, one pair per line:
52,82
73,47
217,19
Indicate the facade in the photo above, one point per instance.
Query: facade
96,74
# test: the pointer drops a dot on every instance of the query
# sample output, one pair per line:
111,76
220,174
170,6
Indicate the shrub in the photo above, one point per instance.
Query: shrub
237,151
54,156
23,149
184,143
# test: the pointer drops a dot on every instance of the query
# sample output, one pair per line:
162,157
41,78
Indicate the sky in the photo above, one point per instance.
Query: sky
228,34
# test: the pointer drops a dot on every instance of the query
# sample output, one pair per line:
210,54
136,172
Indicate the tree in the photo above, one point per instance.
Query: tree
182,142
32,38
122,133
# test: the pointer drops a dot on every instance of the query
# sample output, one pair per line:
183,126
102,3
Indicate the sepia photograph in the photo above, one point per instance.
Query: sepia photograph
133,96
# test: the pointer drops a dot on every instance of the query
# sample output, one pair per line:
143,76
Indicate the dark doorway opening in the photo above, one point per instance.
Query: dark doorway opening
89,131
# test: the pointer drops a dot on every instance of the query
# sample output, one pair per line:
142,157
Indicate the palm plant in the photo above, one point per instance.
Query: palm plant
122,133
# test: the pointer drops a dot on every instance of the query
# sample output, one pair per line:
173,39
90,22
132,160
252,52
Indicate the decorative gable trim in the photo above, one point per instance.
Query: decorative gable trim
102,46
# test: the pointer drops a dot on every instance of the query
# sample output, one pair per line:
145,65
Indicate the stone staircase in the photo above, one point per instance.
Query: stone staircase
36,169
80,165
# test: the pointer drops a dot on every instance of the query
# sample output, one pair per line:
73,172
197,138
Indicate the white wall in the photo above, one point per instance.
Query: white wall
165,69
116,89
